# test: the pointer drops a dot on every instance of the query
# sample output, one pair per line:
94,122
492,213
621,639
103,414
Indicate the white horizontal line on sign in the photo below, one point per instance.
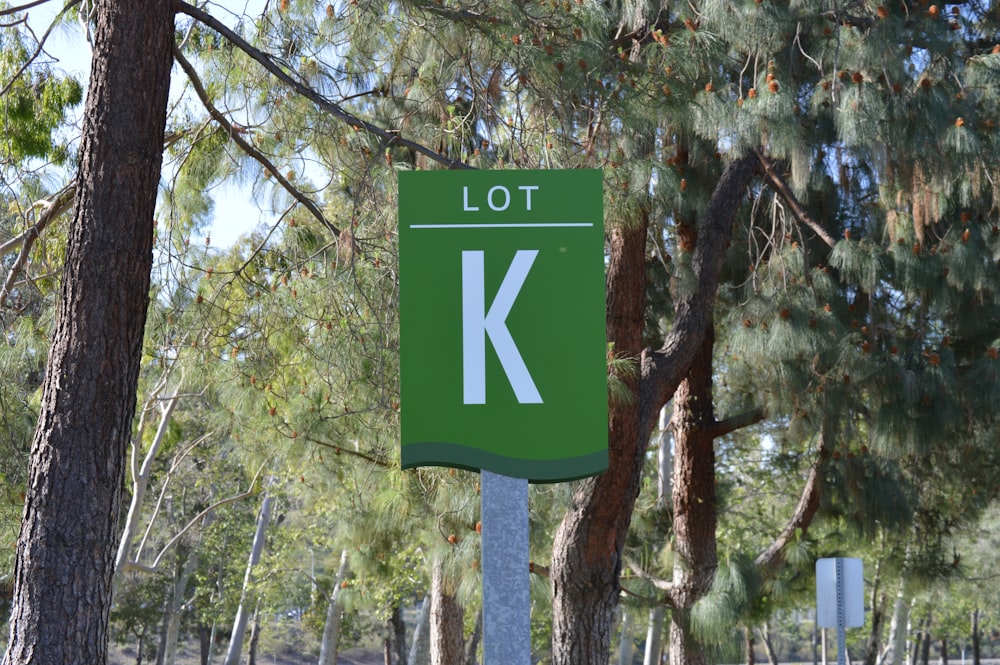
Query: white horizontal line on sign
512,225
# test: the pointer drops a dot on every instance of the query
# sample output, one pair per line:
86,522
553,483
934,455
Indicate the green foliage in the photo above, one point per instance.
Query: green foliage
34,103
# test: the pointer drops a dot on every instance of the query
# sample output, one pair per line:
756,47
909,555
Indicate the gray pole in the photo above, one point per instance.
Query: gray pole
506,601
841,620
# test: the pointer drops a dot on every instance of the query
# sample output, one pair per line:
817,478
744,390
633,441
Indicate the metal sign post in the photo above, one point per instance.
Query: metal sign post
840,599
503,353
506,598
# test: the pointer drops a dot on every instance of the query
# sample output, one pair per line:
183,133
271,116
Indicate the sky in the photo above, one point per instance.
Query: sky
235,211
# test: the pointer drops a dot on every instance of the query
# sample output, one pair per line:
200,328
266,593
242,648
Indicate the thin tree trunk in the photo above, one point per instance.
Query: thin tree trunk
925,643
895,653
695,557
943,660
399,635
420,649
447,646
254,639
176,605
472,644
765,635
69,532
140,477
977,638
205,643
749,645
331,627
242,612
877,603
625,646
161,646
654,642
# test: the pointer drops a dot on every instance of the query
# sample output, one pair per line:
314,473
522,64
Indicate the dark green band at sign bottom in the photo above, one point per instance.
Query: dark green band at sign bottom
536,471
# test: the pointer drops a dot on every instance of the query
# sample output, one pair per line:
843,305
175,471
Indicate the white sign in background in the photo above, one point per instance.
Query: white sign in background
843,577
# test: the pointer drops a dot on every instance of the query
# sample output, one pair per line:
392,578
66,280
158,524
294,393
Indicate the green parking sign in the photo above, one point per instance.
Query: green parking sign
502,326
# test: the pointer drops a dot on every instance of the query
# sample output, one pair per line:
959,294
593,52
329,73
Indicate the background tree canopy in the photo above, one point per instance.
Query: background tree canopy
803,261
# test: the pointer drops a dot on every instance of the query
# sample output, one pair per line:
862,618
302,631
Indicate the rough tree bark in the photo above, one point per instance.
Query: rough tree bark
69,531
695,557
586,558
447,645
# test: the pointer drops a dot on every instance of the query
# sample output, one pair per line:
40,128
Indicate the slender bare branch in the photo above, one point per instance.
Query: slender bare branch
38,48
657,583
246,146
163,490
51,208
197,518
28,5
777,182
390,137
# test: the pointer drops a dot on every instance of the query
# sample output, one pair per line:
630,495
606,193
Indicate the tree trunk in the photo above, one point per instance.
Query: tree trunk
944,651
254,640
765,634
877,601
331,628
976,639
420,649
683,648
925,644
140,476
895,653
625,646
205,643
586,557
654,637
695,556
749,643
243,612
69,532
399,635
446,620
472,644
175,605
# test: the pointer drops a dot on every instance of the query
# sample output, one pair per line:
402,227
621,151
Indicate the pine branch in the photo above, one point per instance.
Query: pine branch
771,559
777,182
657,583
662,370
246,146
737,422
390,137
347,451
